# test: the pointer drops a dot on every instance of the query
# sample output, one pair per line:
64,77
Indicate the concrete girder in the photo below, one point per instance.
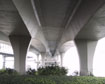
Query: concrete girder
95,28
41,38
34,50
4,38
83,14
28,13
37,45
66,46
10,20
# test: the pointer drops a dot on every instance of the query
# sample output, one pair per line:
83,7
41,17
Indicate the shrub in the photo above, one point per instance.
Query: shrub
8,71
27,79
10,79
31,72
52,70
38,80
90,74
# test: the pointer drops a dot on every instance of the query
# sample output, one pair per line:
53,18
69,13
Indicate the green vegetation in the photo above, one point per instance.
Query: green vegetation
47,75
31,72
8,71
52,70
48,70
29,79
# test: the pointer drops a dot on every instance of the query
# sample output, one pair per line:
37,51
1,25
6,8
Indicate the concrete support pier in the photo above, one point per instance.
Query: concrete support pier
38,61
20,46
43,56
86,49
61,58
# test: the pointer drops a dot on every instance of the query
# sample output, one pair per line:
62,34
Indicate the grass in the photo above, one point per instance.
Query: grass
27,79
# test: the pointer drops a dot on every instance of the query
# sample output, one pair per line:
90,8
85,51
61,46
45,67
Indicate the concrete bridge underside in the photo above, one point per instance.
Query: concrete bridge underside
48,26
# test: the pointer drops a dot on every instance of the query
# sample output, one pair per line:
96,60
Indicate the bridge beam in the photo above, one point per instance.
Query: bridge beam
86,51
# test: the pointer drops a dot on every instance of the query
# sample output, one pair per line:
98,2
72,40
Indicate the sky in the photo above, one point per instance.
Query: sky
71,60
99,59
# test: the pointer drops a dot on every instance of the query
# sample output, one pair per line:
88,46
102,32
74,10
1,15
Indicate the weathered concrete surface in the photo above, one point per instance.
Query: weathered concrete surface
52,23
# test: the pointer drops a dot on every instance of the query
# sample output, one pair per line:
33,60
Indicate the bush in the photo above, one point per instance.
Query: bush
38,80
27,79
31,72
8,71
52,70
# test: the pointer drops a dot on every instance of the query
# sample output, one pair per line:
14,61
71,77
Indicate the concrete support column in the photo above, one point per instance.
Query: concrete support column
20,46
61,58
38,61
4,60
43,55
86,49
